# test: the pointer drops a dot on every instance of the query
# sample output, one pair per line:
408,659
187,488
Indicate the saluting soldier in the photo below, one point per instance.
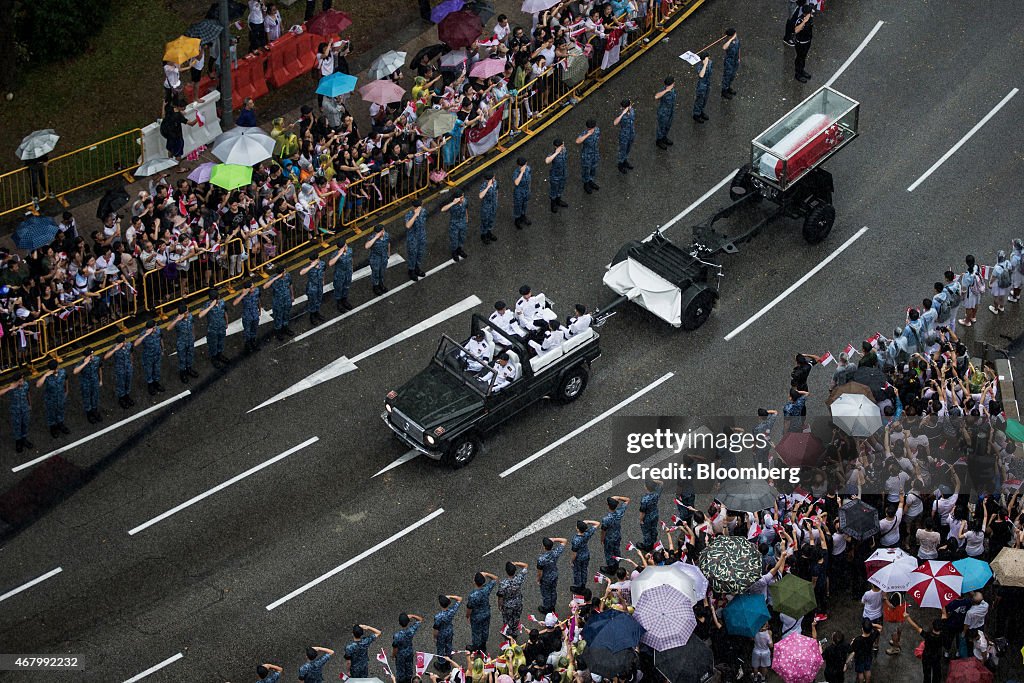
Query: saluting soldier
580,547
20,409
590,155
357,651
280,287
379,247
547,573
250,300
488,208
342,262
626,121
521,178
216,328
611,532
152,352
478,610
510,597
89,384
123,370
314,273
415,239
456,210
556,175
402,649
184,343
444,634
666,99
649,515
54,384
700,97
731,63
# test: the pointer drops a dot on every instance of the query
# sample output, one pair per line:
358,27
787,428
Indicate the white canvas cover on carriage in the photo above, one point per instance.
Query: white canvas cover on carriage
642,286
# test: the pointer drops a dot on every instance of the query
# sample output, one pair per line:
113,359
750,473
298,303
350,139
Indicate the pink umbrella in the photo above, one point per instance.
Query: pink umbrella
486,68
797,659
935,584
382,92
886,556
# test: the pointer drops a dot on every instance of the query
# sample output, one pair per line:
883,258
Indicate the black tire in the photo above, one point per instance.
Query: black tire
818,223
698,303
742,181
573,384
462,451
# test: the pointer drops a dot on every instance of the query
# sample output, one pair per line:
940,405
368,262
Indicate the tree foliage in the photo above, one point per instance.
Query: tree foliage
53,30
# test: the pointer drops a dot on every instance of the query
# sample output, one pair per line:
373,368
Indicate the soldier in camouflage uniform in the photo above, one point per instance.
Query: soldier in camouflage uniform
415,239
20,410
184,343
402,649
342,263
510,597
521,178
445,630
666,99
89,384
281,304
314,273
547,572
123,370
649,515
589,142
250,300
216,328
488,208
457,224
478,610
152,355
54,384
556,175
580,547
626,121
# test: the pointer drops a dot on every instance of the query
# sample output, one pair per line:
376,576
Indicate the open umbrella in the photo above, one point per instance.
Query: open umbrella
700,582
37,143
430,52
746,495
386,64
886,556
792,595
936,584
849,388
231,176
691,663
244,145
732,564
460,29
434,123
336,84
858,520
153,166
618,633
112,200
608,664
745,615
800,449
444,9
236,10
486,68
872,378
1008,567
1015,430
535,6
667,617
797,659
975,572
893,578
181,49
201,173
856,415
329,22
365,680
34,232
207,31
381,92
652,577
968,670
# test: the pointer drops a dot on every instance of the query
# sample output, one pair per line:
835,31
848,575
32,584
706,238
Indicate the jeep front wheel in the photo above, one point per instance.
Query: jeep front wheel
462,451
573,383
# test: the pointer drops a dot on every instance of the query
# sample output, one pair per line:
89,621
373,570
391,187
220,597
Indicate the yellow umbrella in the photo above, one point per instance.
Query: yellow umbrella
181,49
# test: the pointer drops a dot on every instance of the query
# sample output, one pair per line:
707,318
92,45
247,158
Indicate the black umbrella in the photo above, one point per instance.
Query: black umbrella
206,31
691,663
113,200
872,378
858,520
747,495
432,52
235,11
482,9
608,664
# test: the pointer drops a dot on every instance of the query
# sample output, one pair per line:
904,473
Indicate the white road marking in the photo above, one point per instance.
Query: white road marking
361,556
365,304
105,430
963,140
400,461
220,487
796,285
856,53
344,364
154,669
39,579
579,430
235,326
682,214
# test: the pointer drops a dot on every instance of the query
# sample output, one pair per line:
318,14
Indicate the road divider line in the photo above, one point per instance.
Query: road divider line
856,53
25,586
358,558
579,430
796,285
703,198
365,304
155,668
400,461
345,365
952,150
220,487
105,430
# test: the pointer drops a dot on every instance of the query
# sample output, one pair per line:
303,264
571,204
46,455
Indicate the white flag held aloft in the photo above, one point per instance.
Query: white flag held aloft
689,58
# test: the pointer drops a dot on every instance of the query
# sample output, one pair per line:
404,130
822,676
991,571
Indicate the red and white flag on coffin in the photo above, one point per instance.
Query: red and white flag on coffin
849,350
827,358
935,584
383,659
423,660
482,138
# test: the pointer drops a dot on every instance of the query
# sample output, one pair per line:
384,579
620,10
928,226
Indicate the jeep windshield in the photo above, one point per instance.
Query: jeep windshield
473,372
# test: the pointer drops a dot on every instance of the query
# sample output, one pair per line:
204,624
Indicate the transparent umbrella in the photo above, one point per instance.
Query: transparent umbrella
245,146
387,64
36,144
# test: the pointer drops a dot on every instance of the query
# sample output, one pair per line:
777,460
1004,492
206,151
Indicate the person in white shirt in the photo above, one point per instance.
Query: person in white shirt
257,34
272,22
505,320
553,338
976,613
477,348
889,527
172,80
928,540
531,309
506,373
580,322
872,601
502,30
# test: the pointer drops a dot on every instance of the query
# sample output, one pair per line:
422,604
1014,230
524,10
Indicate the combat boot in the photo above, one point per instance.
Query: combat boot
63,429
223,359
215,362
419,272
526,219
347,306
412,275
288,331
338,307
183,376
53,431
661,144
629,166
98,415
455,257
554,206
594,186
19,445
461,252
128,400
561,203
159,387
622,169
519,223
90,417
151,388
191,372
28,444
668,142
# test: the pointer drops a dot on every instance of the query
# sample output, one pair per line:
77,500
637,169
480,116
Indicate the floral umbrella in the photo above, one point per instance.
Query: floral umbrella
797,659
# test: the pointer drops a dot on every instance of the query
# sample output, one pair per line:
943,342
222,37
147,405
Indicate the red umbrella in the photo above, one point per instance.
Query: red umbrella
800,449
936,584
968,670
328,23
460,29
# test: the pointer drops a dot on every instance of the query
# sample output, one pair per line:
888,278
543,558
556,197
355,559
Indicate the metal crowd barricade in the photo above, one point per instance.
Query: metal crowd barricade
16,191
103,310
95,163
178,281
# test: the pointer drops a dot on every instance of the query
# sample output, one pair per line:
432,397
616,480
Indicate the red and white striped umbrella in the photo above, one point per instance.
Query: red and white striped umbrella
886,556
936,584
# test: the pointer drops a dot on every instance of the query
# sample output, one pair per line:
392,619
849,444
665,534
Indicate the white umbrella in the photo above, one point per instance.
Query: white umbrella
663,576
856,415
387,64
700,582
893,577
885,556
535,6
454,58
36,144
245,146
153,166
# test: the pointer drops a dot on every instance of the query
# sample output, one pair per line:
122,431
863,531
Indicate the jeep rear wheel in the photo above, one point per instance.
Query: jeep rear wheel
818,223
462,451
573,383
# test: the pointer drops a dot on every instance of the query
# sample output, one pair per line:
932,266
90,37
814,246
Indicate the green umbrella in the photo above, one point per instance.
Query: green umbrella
793,596
731,563
230,176
1015,430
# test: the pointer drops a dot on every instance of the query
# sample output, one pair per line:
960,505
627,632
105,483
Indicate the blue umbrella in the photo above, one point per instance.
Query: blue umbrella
975,572
35,232
617,633
444,9
596,622
336,84
745,615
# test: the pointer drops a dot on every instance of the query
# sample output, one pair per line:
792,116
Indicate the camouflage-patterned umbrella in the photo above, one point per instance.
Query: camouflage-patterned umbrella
731,564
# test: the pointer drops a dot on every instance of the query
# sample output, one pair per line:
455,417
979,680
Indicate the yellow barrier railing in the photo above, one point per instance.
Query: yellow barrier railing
19,187
95,163
193,274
